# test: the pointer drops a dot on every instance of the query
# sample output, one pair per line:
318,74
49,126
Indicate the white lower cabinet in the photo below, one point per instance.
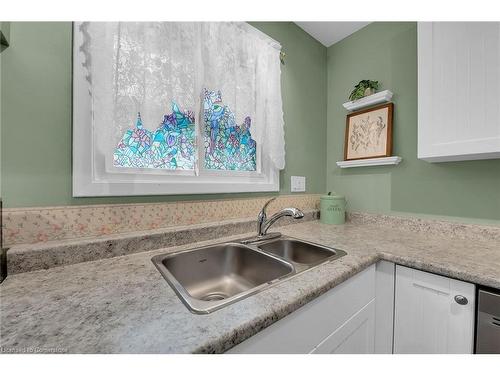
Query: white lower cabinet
339,321
431,315
383,309
357,335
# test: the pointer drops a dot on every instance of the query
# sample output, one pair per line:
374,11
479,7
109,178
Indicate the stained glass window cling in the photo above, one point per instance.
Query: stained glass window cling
170,146
228,146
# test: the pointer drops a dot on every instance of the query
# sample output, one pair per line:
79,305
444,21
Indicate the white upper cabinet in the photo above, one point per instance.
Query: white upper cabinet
458,91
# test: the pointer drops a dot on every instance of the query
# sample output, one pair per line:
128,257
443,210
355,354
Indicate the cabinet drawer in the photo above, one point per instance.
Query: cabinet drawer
302,330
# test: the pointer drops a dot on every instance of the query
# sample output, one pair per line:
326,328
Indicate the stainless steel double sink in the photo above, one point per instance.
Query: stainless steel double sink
211,277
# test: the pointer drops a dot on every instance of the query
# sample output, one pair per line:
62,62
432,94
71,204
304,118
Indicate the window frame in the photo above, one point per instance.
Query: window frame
91,179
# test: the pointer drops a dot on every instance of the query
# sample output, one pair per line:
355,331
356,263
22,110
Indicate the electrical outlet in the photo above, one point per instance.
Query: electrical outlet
298,184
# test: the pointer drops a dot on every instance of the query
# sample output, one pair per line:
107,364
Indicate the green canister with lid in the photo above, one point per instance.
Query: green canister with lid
332,209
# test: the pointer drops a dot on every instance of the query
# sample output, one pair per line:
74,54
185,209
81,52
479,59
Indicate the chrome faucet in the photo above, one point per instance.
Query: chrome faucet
263,224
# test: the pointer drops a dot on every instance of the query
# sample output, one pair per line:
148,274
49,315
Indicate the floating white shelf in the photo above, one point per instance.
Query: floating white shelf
377,98
391,160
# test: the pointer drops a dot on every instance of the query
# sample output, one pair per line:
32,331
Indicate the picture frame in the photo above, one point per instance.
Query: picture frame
368,133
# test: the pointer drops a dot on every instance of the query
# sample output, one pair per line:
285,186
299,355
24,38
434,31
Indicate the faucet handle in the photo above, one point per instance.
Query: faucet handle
263,216
264,208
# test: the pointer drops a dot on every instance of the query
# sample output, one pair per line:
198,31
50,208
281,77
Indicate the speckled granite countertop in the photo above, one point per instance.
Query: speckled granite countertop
123,304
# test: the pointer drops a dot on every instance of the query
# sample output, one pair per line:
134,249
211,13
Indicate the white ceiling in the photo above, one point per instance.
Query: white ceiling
329,33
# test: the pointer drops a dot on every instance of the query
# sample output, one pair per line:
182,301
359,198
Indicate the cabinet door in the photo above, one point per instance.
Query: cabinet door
302,331
427,317
356,336
458,96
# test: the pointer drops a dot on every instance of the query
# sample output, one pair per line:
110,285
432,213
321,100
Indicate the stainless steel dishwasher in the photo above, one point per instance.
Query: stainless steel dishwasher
488,322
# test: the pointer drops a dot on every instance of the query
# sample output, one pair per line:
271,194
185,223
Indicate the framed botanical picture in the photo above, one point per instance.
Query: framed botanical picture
368,133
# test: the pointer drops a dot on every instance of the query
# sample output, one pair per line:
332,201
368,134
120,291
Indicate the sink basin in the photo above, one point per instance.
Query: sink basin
300,251
211,277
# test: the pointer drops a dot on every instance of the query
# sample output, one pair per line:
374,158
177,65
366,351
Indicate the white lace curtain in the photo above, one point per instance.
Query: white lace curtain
144,66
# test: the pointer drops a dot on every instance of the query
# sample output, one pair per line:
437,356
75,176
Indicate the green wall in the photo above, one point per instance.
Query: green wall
36,125
36,115
387,52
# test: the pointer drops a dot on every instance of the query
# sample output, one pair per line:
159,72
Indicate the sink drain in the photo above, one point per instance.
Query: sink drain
215,296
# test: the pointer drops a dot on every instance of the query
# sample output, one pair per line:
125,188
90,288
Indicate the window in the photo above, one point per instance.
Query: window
175,108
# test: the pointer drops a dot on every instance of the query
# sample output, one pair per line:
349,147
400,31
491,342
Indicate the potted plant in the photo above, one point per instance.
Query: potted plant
364,88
